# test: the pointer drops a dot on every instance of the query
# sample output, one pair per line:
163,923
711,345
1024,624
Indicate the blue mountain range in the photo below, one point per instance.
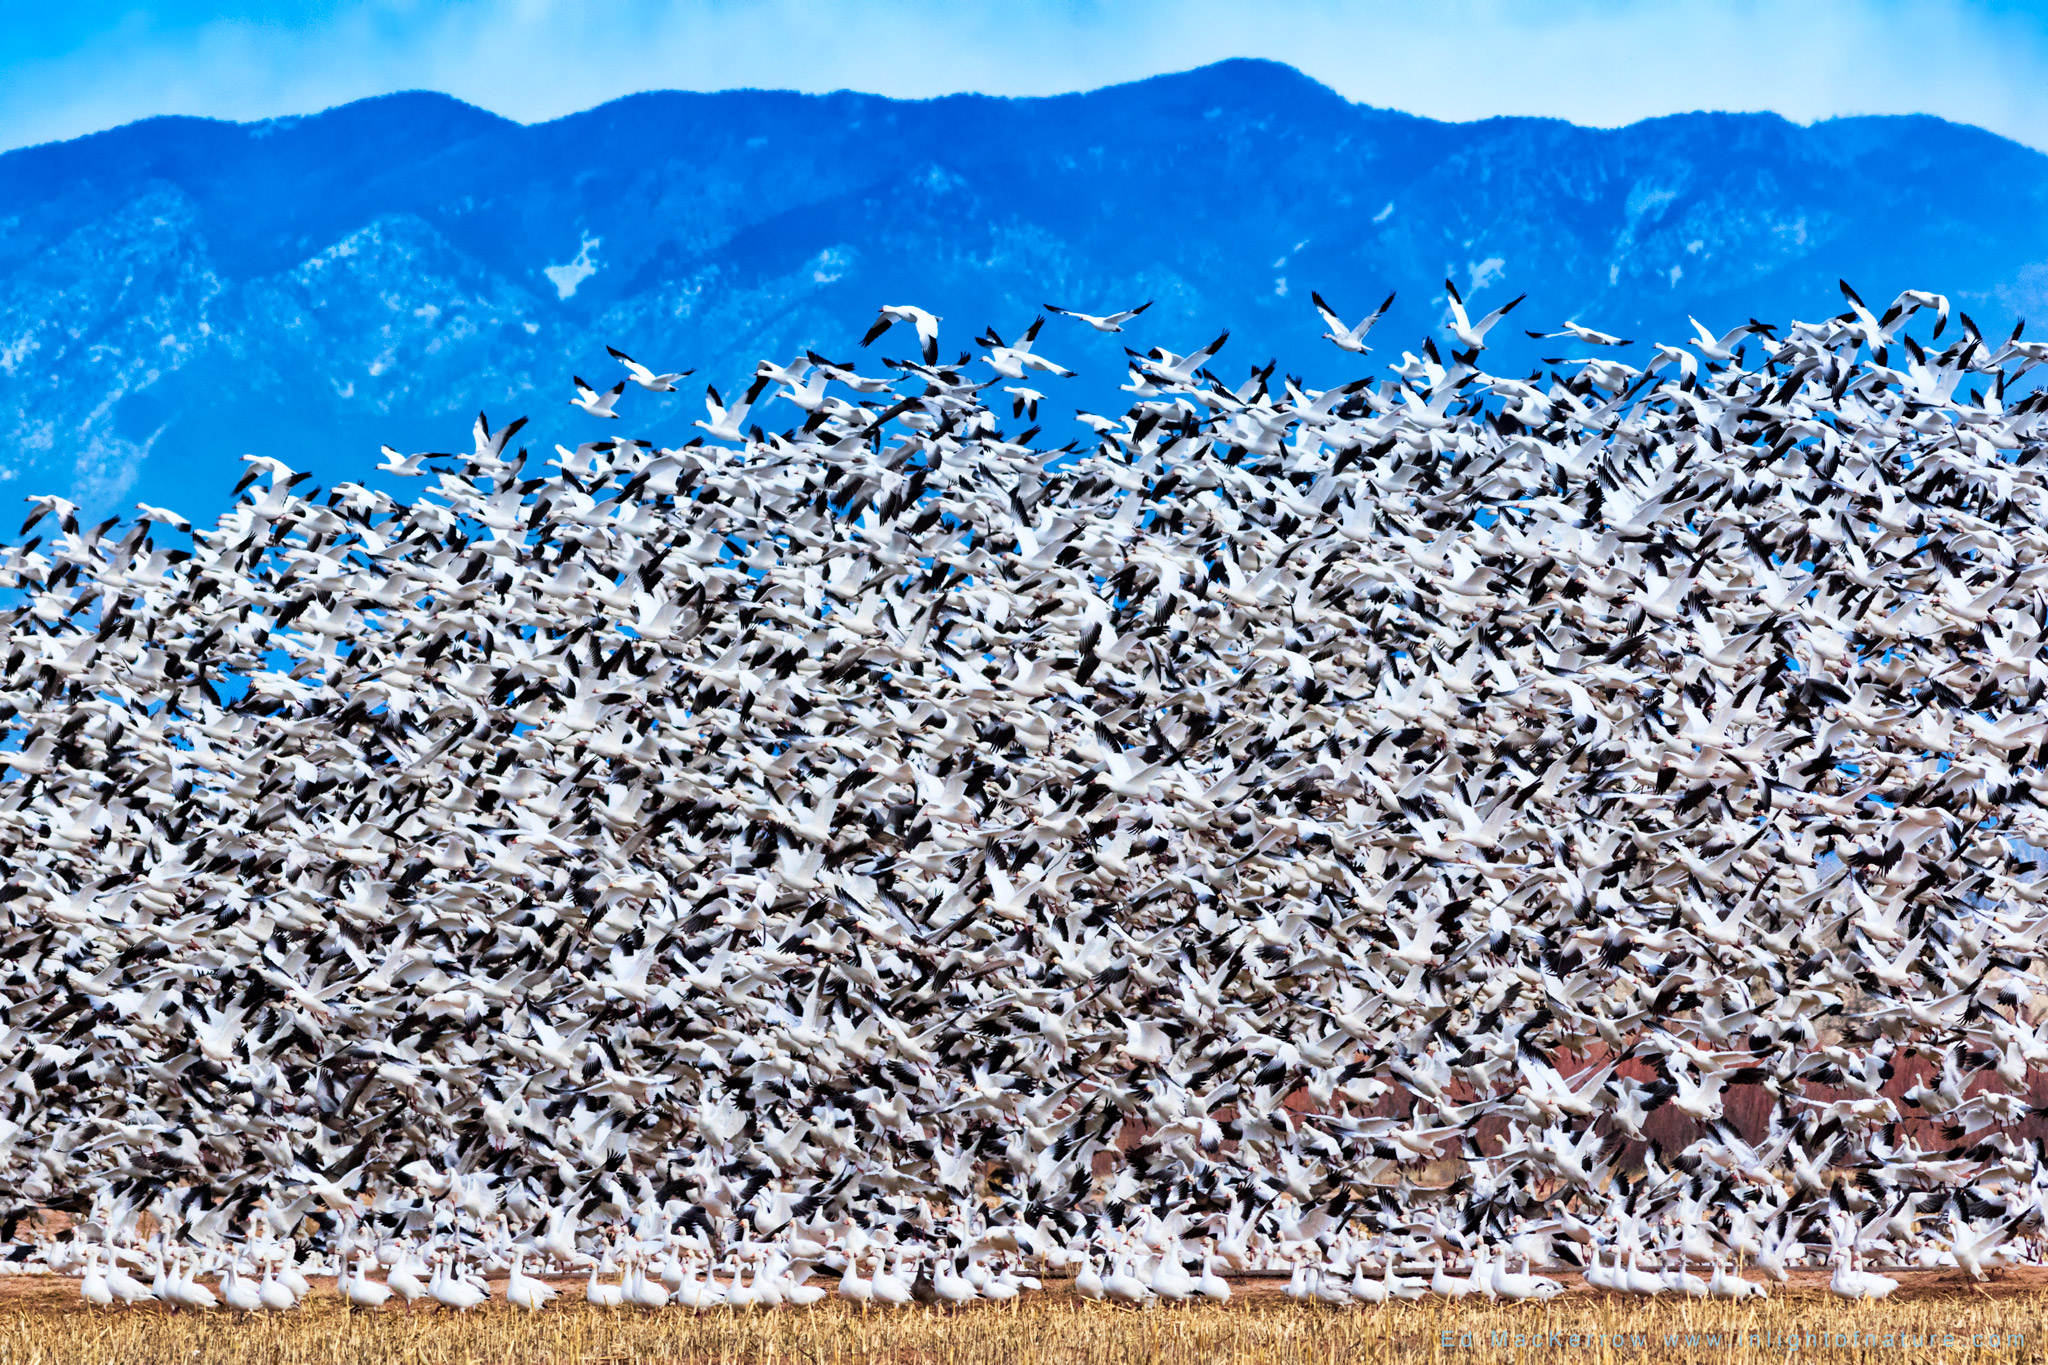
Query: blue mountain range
179,291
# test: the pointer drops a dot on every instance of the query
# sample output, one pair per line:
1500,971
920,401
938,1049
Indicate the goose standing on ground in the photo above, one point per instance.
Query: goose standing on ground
1088,1279
606,1295
523,1290
92,1284
359,1289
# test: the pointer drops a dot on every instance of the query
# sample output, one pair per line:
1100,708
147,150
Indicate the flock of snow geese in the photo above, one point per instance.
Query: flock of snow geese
1420,833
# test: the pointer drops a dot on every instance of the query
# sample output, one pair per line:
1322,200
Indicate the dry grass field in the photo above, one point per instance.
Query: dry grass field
41,1323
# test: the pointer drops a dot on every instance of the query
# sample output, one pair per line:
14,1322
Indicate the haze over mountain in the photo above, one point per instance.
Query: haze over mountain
179,291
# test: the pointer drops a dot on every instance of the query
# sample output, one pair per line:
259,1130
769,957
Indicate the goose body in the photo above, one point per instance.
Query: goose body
1636,1280
275,1294
92,1285
524,1291
237,1293
890,1287
454,1291
1123,1286
362,1291
602,1295
853,1286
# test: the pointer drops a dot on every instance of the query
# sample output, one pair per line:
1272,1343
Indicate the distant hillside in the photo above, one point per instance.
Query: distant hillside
179,291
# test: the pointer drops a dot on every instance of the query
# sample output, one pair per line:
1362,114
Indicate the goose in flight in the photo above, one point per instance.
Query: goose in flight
646,378
926,324
802,855
725,421
162,517
1591,336
1011,362
1112,322
66,513
1350,339
408,466
1164,366
1472,335
1721,349
1911,301
595,403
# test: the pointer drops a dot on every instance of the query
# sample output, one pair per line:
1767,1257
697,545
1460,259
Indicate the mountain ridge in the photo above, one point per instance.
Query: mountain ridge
178,291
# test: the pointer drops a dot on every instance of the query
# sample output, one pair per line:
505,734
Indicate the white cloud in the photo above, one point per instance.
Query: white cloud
565,278
1602,62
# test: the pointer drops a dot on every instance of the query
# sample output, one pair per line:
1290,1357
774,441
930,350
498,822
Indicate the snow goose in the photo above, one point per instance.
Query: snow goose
926,324
645,377
362,1291
525,1291
606,1295
1636,1280
891,1286
187,1292
1725,1284
1350,339
1108,322
638,1289
853,1286
1401,1286
125,1287
1472,335
1170,1279
452,1290
1444,1284
276,1295
1517,1286
1088,1279
238,1293
799,1290
92,1285
408,1275
1124,1286
949,1284
1681,1280
595,403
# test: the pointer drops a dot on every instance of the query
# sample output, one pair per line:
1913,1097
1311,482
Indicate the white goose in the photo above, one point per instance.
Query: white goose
277,1296
1444,1284
1211,1285
523,1290
408,1276
853,1286
92,1285
451,1290
1725,1284
891,1287
187,1292
1523,1285
236,1292
639,1290
949,1284
602,1295
1088,1279
1401,1286
362,1291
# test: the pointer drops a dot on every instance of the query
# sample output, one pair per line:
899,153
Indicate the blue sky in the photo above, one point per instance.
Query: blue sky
72,69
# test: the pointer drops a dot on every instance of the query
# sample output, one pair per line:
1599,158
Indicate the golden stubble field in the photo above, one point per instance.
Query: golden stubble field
41,1325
